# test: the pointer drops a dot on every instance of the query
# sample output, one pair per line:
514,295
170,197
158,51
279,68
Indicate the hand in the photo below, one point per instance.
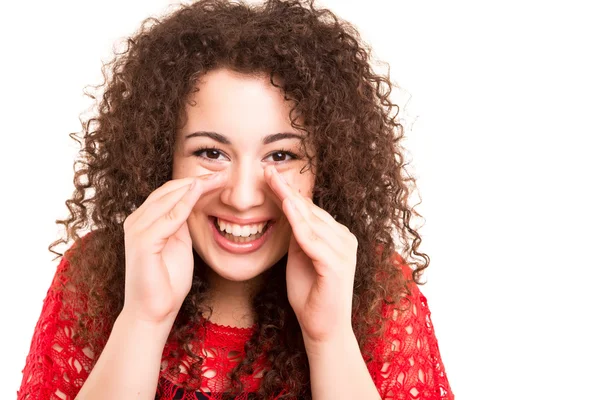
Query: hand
320,267
158,249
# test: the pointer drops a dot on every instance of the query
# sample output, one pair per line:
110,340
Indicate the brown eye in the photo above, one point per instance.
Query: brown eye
212,154
279,156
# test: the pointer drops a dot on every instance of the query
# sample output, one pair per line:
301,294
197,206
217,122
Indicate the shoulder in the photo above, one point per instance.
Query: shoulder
413,306
56,365
408,356
402,265
406,321
68,295
64,269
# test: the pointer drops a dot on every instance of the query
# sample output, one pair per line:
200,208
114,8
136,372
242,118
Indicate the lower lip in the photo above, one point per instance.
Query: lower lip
239,248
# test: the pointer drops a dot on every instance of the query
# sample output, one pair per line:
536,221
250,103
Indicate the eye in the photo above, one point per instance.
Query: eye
212,154
279,154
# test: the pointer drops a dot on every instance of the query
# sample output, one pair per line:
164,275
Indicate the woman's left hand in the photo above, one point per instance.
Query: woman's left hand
321,265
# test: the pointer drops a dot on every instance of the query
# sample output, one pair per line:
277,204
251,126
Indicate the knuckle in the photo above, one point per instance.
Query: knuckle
172,214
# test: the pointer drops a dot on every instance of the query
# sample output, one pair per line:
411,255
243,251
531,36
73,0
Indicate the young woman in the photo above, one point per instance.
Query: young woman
247,200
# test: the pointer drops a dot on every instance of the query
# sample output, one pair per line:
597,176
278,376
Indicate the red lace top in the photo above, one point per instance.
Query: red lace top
56,368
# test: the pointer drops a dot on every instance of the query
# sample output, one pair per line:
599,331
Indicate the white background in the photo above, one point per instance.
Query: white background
504,145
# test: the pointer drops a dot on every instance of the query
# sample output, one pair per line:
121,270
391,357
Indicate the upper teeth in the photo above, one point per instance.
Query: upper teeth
241,230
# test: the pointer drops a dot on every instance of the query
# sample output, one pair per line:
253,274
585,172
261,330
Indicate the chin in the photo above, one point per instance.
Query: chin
240,273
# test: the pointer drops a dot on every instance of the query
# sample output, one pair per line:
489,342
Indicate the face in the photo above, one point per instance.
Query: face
234,117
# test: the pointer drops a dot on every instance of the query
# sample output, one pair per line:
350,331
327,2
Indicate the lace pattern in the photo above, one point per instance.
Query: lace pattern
222,348
55,368
407,365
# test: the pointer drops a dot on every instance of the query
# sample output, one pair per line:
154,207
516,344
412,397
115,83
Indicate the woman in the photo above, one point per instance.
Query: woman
247,189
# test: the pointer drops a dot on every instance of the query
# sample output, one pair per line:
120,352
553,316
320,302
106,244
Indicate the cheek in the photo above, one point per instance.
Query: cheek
180,166
184,167
284,231
301,183
200,206
306,189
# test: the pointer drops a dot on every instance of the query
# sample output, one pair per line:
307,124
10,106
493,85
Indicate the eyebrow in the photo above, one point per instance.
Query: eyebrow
266,140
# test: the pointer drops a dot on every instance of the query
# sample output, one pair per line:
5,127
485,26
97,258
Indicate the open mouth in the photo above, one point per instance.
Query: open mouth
241,239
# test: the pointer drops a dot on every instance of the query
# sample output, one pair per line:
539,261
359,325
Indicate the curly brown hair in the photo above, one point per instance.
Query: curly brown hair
127,152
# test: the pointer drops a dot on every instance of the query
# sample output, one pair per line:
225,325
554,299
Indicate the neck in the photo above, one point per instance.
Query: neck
231,301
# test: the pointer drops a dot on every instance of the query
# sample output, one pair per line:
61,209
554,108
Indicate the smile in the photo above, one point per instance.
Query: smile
240,239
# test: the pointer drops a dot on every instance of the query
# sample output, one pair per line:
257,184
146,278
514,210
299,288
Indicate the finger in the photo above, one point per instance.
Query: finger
167,202
312,242
280,186
324,215
167,187
160,207
183,234
170,222
334,236
284,190
164,190
277,183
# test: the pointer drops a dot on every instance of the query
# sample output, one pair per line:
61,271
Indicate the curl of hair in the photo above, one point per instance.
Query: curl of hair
320,64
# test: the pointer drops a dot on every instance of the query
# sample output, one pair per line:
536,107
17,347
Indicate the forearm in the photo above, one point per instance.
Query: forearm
129,365
338,370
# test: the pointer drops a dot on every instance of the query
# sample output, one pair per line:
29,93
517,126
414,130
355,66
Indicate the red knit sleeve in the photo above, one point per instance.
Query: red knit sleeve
54,368
411,366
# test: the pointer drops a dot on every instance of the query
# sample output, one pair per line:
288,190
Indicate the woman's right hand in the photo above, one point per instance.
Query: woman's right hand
159,260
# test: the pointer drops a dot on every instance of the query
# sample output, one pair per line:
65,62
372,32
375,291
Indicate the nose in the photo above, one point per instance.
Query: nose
245,187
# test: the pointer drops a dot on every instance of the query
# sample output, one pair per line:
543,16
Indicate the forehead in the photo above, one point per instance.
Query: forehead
237,106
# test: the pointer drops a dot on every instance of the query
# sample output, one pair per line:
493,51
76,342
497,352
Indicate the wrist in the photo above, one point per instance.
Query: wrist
338,343
141,324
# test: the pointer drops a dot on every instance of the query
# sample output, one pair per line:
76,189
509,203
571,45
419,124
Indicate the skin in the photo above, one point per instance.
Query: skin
321,258
244,109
